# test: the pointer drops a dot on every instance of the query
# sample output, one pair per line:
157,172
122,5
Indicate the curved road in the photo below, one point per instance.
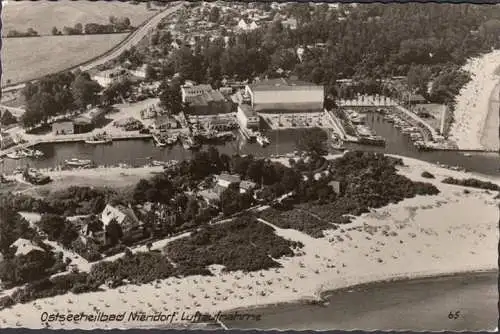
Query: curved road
131,40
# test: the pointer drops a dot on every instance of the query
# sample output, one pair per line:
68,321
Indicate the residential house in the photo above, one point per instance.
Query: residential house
210,196
336,185
140,72
124,216
290,23
107,77
246,186
224,180
246,25
25,247
164,122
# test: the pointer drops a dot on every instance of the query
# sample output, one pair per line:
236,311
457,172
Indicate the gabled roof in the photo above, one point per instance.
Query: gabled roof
230,178
25,246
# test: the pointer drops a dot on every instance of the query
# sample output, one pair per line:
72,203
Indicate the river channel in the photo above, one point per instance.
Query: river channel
137,152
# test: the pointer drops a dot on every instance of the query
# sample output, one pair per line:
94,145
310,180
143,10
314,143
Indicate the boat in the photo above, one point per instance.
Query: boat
467,155
74,162
172,139
158,141
16,155
189,143
157,163
99,139
262,140
372,140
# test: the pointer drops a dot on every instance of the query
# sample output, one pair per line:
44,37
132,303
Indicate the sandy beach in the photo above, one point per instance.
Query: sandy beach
473,113
490,138
426,235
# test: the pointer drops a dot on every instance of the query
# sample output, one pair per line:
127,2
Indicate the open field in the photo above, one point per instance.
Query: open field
30,58
27,14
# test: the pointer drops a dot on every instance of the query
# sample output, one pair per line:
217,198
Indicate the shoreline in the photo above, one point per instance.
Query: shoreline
490,136
427,231
325,294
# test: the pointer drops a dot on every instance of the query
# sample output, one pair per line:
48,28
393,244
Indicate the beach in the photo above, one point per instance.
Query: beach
475,116
451,232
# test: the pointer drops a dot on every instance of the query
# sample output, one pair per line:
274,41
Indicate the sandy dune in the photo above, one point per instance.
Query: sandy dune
450,232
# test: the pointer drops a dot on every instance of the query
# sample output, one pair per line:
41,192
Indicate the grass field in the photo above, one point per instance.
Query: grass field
29,58
43,15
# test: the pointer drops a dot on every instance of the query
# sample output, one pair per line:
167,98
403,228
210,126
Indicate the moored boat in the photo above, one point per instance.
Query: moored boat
99,139
74,162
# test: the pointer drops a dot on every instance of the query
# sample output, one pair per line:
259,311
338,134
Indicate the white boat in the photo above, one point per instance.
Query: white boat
262,140
74,162
158,141
16,155
158,163
467,155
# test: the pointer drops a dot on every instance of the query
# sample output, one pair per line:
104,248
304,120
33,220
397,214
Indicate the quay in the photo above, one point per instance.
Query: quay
72,139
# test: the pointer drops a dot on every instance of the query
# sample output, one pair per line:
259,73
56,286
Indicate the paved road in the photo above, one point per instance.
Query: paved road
132,40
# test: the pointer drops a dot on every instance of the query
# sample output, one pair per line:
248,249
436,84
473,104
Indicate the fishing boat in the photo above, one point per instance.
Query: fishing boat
16,155
467,155
74,162
189,143
99,139
158,141
157,163
172,139
262,140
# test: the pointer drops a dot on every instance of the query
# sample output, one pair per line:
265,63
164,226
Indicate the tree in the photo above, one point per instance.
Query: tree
55,31
214,15
170,97
84,90
113,232
312,141
7,118
149,245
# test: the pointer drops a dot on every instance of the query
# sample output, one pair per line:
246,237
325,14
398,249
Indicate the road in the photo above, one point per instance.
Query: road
133,39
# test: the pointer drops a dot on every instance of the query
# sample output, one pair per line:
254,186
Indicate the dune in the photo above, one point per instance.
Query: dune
451,232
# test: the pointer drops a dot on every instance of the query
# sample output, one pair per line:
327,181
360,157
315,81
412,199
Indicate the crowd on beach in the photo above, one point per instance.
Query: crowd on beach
472,104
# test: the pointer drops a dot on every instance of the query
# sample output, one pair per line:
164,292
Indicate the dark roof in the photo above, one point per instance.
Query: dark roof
205,98
282,84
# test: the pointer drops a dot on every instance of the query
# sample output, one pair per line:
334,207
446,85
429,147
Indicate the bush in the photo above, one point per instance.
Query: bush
427,175
473,183
5,302
242,244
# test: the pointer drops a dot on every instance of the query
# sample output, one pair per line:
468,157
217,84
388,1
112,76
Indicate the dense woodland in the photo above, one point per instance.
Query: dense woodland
367,42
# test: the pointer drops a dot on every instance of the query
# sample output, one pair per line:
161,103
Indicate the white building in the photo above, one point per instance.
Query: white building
124,216
140,72
247,117
107,77
284,95
25,246
247,26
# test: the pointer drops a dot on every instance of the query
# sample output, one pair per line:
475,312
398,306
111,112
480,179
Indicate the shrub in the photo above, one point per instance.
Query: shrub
427,175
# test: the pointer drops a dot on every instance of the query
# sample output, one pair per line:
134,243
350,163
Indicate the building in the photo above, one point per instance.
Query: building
210,196
285,96
336,186
63,128
25,247
203,100
224,180
247,117
164,122
246,186
140,72
188,91
107,77
125,217
247,25
290,23
6,140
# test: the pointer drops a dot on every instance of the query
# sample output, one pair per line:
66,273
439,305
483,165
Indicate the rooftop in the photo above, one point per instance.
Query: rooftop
25,246
247,110
282,84
230,178
205,98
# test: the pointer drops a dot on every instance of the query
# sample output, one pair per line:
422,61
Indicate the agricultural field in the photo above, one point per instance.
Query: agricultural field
33,14
33,57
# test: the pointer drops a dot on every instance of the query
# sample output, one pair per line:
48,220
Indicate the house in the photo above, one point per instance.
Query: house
6,140
63,128
190,90
164,122
107,77
124,216
224,180
247,25
203,100
210,196
336,186
246,186
290,23
25,247
414,99
140,72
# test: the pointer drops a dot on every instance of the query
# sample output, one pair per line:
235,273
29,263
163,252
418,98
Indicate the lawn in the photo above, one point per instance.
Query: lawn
43,15
31,58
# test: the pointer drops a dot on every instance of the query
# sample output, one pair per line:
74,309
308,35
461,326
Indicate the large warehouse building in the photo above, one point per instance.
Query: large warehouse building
285,96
